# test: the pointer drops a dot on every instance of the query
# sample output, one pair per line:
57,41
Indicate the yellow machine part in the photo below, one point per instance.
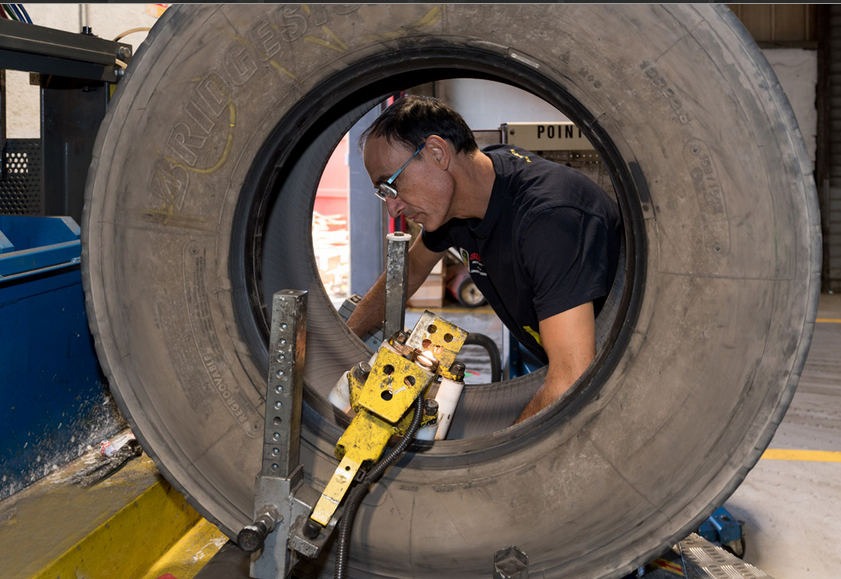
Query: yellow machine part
335,490
363,441
435,334
382,402
392,385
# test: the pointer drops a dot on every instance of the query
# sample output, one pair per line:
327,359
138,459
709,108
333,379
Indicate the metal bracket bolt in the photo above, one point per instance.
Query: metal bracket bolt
511,563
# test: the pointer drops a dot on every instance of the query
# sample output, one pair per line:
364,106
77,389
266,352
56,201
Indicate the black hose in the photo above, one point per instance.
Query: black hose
493,352
361,489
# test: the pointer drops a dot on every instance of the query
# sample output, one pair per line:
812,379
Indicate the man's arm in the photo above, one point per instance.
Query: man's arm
569,339
371,308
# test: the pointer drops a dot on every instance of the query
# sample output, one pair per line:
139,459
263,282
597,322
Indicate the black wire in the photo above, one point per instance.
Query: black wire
25,14
17,12
361,489
493,352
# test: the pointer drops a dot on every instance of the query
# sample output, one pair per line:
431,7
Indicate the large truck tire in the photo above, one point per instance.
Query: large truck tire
199,207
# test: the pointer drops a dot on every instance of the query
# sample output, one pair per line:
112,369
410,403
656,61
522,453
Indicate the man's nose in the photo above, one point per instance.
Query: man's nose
395,207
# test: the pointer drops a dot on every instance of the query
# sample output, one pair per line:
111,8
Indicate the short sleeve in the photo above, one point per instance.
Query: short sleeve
438,240
564,254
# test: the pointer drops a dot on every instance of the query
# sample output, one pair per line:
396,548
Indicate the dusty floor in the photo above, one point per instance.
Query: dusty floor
791,509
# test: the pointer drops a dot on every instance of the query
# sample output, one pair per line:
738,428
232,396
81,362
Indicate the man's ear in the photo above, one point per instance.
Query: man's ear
440,150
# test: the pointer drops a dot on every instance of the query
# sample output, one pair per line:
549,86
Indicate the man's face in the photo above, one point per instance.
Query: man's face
424,190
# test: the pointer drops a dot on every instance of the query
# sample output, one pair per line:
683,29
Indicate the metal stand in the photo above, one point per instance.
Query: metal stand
396,276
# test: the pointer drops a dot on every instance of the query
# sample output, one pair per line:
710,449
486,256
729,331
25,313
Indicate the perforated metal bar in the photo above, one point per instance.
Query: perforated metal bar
287,350
396,276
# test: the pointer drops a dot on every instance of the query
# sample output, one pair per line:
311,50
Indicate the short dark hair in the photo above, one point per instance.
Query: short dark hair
412,118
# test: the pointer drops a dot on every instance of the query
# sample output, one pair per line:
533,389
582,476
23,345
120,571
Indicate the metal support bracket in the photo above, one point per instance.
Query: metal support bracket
396,277
280,495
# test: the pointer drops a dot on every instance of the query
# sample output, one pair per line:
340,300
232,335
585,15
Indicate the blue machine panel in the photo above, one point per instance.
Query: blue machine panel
55,400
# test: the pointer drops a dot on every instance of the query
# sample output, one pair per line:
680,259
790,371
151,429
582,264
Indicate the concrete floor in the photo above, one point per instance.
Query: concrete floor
791,509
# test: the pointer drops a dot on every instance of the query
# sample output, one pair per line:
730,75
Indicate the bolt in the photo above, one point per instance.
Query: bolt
458,369
252,537
511,563
124,52
311,529
87,31
361,371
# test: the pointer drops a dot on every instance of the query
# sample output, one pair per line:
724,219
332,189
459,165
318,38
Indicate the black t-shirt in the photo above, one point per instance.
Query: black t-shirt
549,242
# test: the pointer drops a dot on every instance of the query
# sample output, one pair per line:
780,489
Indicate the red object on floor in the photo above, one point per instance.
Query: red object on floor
167,576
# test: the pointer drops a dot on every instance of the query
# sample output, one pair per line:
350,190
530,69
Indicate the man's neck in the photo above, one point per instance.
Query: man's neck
474,185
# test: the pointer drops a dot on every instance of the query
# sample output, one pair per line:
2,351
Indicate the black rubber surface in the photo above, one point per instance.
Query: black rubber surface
198,206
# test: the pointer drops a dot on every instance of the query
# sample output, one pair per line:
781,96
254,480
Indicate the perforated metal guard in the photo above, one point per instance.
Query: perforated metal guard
21,187
707,561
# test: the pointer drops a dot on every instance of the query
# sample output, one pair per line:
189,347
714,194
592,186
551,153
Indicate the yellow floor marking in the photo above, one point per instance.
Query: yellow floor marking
187,557
130,541
668,566
828,321
803,455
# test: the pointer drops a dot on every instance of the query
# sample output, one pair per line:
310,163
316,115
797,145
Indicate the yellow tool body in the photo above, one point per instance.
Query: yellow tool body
405,368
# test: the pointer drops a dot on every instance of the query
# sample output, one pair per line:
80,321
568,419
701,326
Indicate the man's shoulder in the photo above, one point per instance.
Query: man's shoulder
512,154
520,164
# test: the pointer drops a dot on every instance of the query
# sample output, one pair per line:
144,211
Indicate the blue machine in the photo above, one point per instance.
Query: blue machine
55,399
723,529
520,360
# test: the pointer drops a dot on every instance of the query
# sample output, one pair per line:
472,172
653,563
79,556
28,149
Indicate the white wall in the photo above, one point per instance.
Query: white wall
486,104
797,70
106,20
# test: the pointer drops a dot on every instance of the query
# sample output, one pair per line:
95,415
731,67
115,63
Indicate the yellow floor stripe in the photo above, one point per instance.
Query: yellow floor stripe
668,566
828,321
187,557
804,455
130,541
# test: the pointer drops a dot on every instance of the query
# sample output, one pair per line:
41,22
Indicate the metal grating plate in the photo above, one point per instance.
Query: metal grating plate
21,188
707,561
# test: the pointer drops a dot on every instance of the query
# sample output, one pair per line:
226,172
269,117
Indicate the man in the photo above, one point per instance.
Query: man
540,239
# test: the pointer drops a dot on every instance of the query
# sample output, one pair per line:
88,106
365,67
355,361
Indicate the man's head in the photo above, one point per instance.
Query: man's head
412,148
411,119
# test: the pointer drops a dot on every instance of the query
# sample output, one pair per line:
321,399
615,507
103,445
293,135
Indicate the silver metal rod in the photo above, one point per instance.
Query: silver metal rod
396,277
287,349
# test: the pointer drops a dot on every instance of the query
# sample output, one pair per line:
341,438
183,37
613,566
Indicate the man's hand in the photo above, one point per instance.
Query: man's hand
371,309
569,339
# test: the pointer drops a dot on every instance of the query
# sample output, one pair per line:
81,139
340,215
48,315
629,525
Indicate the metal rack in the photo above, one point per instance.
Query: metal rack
76,74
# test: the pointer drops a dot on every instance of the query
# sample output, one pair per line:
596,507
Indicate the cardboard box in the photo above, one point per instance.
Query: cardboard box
430,294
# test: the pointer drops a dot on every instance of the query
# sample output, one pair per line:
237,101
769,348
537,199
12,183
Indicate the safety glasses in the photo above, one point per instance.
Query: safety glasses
386,189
